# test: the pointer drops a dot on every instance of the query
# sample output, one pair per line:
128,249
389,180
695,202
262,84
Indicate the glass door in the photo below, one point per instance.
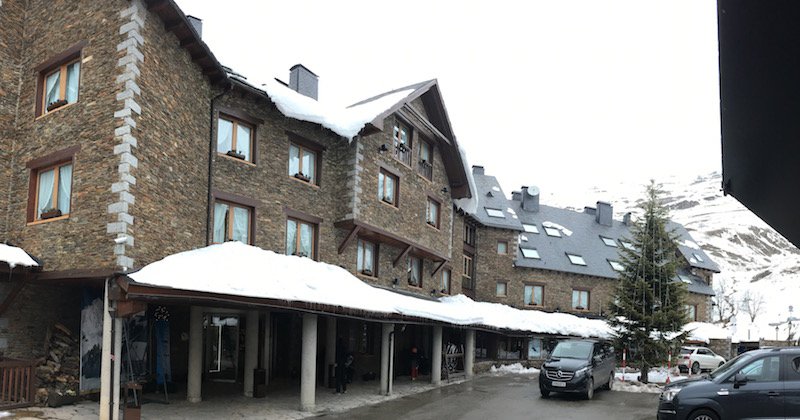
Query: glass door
222,347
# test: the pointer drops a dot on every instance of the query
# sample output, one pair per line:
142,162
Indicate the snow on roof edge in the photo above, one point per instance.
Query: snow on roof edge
468,205
14,256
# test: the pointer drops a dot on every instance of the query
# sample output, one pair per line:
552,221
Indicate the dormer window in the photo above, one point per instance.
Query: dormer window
576,259
609,241
530,228
495,213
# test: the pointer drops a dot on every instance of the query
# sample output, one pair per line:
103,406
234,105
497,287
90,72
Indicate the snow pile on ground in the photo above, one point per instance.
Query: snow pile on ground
234,268
515,369
505,317
636,387
14,256
657,375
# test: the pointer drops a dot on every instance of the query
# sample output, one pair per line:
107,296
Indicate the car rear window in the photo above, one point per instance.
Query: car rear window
796,364
686,351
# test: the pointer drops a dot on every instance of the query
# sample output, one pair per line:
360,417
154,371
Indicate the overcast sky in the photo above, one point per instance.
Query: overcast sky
559,94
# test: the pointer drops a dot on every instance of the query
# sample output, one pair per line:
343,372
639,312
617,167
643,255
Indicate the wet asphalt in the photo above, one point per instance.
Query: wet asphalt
506,397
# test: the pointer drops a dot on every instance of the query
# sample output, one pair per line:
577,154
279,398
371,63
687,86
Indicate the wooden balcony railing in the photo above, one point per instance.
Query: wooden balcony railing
17,386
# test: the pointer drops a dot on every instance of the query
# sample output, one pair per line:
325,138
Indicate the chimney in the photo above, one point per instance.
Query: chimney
477,170
197,24
530,198
590,210
516,196
604,213
626,219
303,81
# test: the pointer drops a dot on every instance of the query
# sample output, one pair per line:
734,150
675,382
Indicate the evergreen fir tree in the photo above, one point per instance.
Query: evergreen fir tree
648,311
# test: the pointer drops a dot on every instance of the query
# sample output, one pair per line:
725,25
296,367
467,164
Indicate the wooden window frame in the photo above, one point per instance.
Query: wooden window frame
588,299
297,239
469,266
433,201
43,164
382,187
505,288
410,265
375,257
469,234
534,286
694,311
300,175
449,288
399,124
235,122
58,62
229,231
62,86
421,165
498,247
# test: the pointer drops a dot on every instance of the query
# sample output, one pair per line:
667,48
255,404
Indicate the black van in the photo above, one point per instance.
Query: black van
757,384
578,366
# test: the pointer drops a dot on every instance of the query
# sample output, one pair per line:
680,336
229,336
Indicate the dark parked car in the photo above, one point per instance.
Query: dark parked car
757,384
578,366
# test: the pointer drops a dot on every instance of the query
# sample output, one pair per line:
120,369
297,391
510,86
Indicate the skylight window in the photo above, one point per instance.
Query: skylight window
495,213
609,241
576,259
685,278
628,245
616,265
530,228
530,253
552,232
697,257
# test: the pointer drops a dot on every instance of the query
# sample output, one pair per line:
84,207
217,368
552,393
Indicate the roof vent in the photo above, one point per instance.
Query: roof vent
604,213
590,210
477,170
516,195
626,219
197,24
303,81
489,194
530,198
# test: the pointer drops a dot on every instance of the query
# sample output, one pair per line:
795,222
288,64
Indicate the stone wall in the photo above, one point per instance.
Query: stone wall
703,306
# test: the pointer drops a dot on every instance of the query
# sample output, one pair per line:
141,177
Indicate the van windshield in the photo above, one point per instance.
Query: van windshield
573,350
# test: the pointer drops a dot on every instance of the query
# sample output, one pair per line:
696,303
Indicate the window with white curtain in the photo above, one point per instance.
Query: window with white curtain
60,86
533,294
446,273
300,238
53,191
234,138
432,213
302,163
231,222
414,271
367,259
387,187
580,300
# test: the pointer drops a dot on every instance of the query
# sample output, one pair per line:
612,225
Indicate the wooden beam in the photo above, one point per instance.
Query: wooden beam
402,255
12,294
189,41
438,268
171,25
349,238
74,274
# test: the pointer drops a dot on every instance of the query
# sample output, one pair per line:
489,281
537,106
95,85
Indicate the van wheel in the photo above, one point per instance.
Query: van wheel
590,389
610,382
545,393
703,415
695,368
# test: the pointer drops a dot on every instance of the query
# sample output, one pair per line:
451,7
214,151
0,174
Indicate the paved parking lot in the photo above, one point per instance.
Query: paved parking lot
507,397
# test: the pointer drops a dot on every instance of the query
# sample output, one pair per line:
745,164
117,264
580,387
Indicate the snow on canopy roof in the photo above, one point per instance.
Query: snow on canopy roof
14,256
703,331
234,268
502,316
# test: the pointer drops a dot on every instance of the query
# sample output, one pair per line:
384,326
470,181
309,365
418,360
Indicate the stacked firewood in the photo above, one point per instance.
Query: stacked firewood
58,371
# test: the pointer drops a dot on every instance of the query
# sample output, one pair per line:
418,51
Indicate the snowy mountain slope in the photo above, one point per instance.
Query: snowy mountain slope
752,256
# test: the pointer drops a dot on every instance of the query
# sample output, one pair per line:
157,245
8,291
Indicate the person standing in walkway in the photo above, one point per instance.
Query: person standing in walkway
414,356
341,370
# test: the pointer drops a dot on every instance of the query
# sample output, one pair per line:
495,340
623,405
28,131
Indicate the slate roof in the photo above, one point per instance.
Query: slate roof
491,196
581,235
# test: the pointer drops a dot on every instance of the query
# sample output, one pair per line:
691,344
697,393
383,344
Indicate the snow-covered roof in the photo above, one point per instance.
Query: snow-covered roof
14,256
703,331
501,316
233,268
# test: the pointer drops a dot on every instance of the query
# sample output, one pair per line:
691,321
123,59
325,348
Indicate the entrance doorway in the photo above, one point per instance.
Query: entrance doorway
222,347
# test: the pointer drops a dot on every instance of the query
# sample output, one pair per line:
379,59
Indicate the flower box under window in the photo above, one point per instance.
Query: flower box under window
367,272
302,177
235,154
57,104
50,213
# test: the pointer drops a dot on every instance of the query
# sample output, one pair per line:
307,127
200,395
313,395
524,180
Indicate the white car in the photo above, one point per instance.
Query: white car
695,359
